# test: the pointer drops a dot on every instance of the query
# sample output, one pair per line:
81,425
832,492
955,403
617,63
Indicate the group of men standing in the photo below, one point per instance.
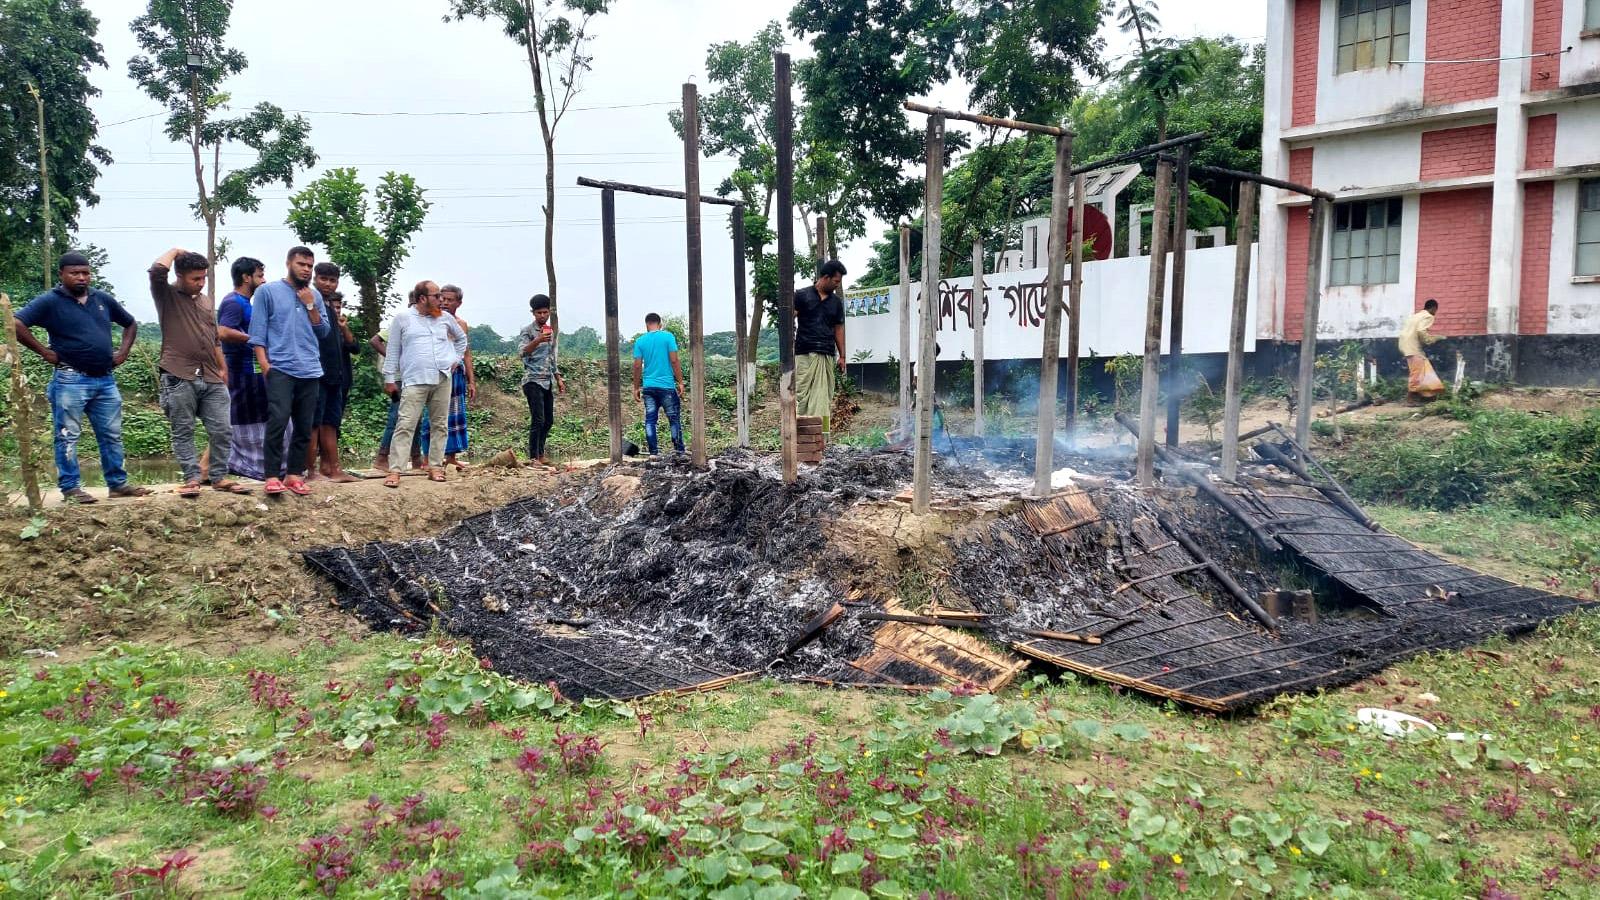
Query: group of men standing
268,373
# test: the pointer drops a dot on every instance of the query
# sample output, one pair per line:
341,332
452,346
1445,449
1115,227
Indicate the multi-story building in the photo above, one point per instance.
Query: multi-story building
1462,139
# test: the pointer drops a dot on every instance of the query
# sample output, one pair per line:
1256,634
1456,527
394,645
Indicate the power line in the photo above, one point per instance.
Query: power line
488,223
427,113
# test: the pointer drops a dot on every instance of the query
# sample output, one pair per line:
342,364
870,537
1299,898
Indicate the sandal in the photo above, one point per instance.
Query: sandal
392,480
435,474
189,489
297,485
130,490
79,495
274,487
229,486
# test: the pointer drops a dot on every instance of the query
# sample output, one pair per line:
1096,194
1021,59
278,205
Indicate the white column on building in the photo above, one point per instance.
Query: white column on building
1272,249
1510,149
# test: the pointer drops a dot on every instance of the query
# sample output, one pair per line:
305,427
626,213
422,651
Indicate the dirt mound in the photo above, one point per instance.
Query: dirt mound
114,569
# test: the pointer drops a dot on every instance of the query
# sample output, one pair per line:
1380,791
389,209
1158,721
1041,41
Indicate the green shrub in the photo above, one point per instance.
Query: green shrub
1540,463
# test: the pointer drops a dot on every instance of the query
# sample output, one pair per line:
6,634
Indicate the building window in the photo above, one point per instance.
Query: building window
1591,14
1374,33
1588,227
1366,242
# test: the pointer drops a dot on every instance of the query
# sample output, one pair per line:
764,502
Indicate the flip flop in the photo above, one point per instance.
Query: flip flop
274,487
435,474
130,490
229,486
189,489
296,485
392,480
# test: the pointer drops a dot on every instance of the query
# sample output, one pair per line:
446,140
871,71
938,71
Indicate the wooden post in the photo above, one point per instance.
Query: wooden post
1177,385
1074,311
1050,353
608,253
697,319
783,113
1160,233
742,379
21,408
1308,337
932,221
1244,235
977,309
44,194
905,329
822,241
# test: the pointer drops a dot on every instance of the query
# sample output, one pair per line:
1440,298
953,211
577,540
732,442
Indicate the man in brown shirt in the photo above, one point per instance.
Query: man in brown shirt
194,377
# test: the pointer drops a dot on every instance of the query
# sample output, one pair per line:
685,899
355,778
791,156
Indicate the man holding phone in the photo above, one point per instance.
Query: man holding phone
540,380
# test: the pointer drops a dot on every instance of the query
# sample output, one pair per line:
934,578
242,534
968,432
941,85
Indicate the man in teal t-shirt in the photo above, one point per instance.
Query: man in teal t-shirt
658,380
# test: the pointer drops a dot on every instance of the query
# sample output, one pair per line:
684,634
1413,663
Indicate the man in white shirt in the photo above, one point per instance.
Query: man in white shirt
424,346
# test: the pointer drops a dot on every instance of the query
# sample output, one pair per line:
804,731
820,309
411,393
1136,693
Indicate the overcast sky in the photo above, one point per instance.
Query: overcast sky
483,171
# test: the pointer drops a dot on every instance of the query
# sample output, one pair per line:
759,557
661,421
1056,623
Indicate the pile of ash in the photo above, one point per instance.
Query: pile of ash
636,578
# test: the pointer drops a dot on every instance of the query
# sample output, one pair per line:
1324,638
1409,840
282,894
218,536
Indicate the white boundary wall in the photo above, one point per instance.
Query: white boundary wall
1115,292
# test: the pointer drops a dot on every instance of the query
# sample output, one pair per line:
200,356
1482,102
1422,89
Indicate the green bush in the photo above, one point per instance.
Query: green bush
1540,463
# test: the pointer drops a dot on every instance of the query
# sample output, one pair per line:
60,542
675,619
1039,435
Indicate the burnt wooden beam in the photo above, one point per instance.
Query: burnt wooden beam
927,361
990,121
696,276
648,191
1243,236
1255,178
1150,386
741,327
1140,153
783,113
1075,309
1217,572
1050,351
1180,265
608,252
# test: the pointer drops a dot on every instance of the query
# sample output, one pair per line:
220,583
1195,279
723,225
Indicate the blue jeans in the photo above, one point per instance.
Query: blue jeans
657,400
72,394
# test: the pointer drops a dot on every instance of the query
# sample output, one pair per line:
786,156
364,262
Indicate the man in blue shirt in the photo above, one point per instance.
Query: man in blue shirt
287,321
78,320
658,380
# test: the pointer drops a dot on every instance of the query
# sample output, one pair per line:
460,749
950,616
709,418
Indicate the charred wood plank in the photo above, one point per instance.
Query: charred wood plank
1217,572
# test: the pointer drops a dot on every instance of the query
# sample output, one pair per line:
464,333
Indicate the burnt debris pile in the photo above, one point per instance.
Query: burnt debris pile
635,580
652,578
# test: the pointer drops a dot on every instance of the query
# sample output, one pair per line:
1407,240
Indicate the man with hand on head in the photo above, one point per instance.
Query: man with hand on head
287,321
78,320
424,347
194,375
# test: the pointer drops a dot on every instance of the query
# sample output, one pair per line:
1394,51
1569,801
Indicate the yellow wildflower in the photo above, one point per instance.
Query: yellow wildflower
1366,772
4,694
1238,772
1177,859
1293,850
1104,865
136,704
20,799
1378,775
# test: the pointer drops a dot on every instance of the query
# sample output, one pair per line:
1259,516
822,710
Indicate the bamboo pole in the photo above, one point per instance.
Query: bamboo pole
1176,383
44,192
1161,231
1075,310
977,305
608,252
822,241
697,318
21,408
905,329
932,215
1308,336
1244,235
1050,352
783,113
623,187
741,326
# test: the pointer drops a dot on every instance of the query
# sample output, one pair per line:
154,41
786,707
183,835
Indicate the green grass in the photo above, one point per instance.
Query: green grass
769,789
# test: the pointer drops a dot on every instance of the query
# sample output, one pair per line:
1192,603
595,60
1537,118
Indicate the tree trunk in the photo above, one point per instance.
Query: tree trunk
547,132
370,310
207,214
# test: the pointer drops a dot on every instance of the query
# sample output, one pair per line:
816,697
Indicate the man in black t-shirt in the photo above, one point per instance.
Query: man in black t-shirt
819,341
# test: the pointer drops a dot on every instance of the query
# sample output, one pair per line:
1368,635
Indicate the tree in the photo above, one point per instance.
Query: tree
185,64
48,45
333,211
870,56
1161,68
483,341
555,35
